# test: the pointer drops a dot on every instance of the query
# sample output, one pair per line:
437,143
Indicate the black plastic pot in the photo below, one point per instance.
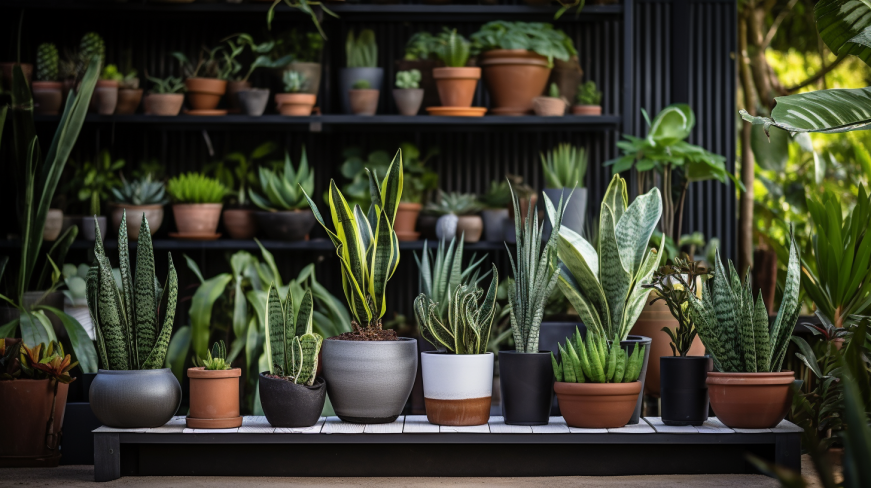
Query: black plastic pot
549,337
628,345
287,404
526,384
285,225
684,393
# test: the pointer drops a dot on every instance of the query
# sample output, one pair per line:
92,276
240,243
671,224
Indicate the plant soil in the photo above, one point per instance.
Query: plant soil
372,333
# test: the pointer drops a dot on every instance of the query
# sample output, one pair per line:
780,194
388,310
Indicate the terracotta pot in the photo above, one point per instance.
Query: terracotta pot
233,89
470,227
514,77
549,106
128,101
47,97
26,406
197,218
408,100
567,75
295,104
597,405
54,221
205,93
457,388
253,101
406,219
364,102
427,82
587,109
214,399
239,223
166,104
750,400
349,76
456,86
105,97
6,69
154,214
649,324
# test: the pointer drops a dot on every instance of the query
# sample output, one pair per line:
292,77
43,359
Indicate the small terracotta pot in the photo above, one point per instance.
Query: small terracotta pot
549,106
105,97
471,227
406,219
154,214
54,221
408,100
233,89
295,104
166,104
456,86
197,218
26,406
364,102
6,70
587,109
514,77
128,101
47,97
205,93
750,400
457,388
597,405
253,101
239,223
214,399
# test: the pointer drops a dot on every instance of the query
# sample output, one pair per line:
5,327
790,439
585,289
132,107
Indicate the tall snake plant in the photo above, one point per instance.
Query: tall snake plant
129,334
604,283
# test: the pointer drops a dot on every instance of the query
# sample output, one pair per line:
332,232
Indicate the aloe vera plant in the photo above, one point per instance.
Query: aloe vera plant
216,359
596,360
292,347
286,189
128,319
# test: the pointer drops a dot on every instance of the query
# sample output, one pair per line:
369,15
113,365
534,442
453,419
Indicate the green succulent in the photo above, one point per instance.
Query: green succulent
216,359
196,188
361,51
92,45
455,203
294,81
361,85
170,84
285,190
140,191
46,62
553,91
75,279
110,72
565,166
498,196
588,94
291,346
596,360
452,48
408,79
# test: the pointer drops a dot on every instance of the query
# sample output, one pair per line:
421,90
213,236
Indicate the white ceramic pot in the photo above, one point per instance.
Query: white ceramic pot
446,227
457,388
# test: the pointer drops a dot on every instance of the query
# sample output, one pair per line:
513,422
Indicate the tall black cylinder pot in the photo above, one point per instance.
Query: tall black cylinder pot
526,383
684,393
628,345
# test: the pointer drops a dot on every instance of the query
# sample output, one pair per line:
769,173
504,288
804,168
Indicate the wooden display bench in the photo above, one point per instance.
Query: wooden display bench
411,446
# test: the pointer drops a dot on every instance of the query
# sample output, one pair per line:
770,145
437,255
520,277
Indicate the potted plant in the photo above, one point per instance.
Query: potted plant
133,389
516,58
197,202
236,81
458,376
458,216
553,105
75,296
597,383
294,50
420,54
370,371
47,93
408,95
494,205
106,94
129,93
363,98
291,393
683,391
565,169
619,262
294,101
239,220
748,390
165,97
141,196
95,180
361,56
456,82
34,383
588,100
214,392
206,81
284,216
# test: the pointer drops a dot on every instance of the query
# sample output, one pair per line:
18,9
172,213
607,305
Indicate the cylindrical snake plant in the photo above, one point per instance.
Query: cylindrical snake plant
292,347
596,360
128,322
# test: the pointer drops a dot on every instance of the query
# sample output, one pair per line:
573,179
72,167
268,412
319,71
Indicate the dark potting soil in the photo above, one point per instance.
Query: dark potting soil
372,333
278,377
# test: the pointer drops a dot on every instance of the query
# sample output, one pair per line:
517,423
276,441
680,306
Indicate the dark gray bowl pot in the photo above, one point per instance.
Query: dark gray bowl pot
287,404
135,399
285,225
253,101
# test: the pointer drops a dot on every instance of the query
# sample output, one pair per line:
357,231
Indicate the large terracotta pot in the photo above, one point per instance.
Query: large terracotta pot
26,408
197,219
470,227
128,101
233,89
154,214
214,399
166,104
514,77
364,102
295,104
456,86
205,93
47,96
406,219
457,388
649,324
240,223
750,400
54,221
597,405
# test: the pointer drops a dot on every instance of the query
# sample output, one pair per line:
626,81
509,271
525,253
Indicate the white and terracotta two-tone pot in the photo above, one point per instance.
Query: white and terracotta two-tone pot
457,388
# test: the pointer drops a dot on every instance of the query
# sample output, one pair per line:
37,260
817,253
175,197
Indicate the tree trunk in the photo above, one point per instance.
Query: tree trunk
745,229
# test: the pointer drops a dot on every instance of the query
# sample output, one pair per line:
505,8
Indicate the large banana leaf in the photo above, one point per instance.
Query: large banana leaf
825,111
845,27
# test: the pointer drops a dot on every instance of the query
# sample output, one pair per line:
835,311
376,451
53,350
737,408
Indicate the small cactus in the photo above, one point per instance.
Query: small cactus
46,62
90,45
291,345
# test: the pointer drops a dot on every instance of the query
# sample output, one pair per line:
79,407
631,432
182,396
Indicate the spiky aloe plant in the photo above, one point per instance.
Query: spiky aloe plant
216,359
285,190
129,334
46,62
735,330
292,347
140,191
596,360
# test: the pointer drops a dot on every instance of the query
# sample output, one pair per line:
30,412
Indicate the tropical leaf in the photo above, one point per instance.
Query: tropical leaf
83,347
674,123
202,304
845,27
824,111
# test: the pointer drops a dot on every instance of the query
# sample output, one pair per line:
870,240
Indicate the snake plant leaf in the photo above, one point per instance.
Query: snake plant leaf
111,318
275,329
157,358
638,296
146,299
616,198
382,256
124,266
636,227
615,279
823,111
726,310
845,27
557,369
760,334
352,251
304,322
790,307
568,370
487,310
391,187
309,345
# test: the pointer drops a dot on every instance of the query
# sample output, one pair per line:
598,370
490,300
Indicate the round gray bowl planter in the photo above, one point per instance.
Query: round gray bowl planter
369,381
135,399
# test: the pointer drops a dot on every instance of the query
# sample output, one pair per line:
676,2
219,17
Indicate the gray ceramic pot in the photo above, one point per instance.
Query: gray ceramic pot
494,224
89,230
135,399
576,209
253,101
369,381
349,76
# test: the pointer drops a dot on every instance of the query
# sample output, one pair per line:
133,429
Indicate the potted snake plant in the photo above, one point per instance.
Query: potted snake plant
214,391
369,371
133,324
284,216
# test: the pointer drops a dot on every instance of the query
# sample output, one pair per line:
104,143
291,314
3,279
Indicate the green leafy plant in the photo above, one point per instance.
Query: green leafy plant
596,360
196,188
140,191
604,282
539,37
565,166
452,48
304,6
588,94
294,81
235,171
454,203
498,196
419,181
47,62
216,359
361,51
408,79
466,329
127,320
96,179
420,45
361,85
110,72
294,45
285,190
673,283
170,84
292,347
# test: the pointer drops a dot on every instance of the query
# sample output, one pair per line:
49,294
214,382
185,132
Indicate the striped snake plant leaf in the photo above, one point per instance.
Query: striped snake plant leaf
824,111
285,338
487,310
726,309
569,372
365,231
760,335
382,259
124,266
309,346
304,318
314,208
92,294
276,341
432,326
145,297
748,330
157,356
638,296
845,27
616,197
790,306
111,318
615,279
353,249
391,187
635,228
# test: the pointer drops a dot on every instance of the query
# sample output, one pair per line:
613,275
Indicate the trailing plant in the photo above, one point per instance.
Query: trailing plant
604,282
295,46
454,203
241,177
361,51
588,94
596,360
408,79
168,85
47,62
497,197
565,166
539,37
291,346
420,45
95,180
304,6
196,188
361,85
140,191
452,48
127,319
216,359
418,181
294,81
286,189
673,283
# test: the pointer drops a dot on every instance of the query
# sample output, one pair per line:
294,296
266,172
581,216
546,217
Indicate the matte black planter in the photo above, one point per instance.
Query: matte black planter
287,404
628,345
285,225
684,393
526,383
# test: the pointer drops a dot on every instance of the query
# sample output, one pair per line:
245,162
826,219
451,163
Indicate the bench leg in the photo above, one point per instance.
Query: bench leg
787,451
107,457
